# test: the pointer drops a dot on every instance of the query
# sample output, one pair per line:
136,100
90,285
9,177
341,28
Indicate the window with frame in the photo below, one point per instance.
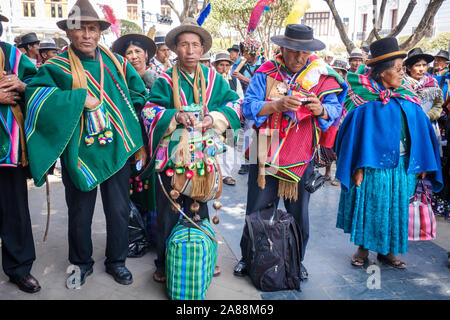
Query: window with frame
319,21
394,18
166,11
55,8
132,9
29,8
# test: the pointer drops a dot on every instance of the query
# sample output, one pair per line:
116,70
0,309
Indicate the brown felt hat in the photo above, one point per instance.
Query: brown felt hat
82,11
189,25
3,18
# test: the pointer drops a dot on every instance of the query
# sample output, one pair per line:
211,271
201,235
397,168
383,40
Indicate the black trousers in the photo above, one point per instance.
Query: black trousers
115,194
258,199
166,218
18,251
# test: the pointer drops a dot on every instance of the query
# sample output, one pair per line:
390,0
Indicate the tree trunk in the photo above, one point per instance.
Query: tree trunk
424,25
396,31
379,25
190,8
349,45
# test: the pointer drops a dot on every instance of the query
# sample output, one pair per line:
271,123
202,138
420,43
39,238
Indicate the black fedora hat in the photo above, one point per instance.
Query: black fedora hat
28,39
120,46
235,47
3,18
298,37
383,50
415,55
443,54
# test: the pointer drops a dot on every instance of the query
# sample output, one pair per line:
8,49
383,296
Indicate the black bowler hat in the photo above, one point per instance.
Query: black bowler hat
28,39
298,37
443,54
384,50
121,45
415,55
235,47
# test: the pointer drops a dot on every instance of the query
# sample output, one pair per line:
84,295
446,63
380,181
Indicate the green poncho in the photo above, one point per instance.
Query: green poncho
54,111
222,103
10,146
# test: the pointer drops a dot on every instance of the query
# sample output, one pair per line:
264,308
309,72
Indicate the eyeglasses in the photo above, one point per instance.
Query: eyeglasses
399,69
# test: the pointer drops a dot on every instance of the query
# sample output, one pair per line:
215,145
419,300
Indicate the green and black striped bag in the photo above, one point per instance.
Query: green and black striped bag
190,260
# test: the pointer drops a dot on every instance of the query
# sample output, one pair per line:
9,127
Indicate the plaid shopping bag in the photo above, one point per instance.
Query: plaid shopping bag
422,223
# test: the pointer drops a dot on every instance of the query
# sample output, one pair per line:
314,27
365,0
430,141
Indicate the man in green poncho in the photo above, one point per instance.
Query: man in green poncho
174,94
18,252
83,106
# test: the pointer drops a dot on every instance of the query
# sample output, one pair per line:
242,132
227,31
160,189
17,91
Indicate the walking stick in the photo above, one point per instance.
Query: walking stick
47,187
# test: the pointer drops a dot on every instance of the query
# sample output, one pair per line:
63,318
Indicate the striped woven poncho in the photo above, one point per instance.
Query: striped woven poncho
54,125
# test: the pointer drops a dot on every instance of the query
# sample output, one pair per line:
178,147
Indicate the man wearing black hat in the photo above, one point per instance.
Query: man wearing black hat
234,53
95,138
278,90
47,50
18,251
30,43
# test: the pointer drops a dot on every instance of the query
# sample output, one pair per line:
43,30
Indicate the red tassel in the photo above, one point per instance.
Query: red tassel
256,14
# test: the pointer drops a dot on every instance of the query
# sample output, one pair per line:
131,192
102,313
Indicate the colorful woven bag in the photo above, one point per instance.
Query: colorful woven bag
422,223
190,260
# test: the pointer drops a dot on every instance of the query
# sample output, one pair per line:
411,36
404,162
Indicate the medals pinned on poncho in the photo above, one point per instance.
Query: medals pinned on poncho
282,88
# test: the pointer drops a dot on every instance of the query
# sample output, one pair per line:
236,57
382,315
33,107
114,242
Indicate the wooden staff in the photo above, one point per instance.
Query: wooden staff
240,65
47,185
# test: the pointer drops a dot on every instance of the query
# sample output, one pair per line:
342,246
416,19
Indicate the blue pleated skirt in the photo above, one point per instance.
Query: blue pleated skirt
376,213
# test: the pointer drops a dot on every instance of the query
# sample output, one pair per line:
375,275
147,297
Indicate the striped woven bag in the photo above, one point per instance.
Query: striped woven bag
190,260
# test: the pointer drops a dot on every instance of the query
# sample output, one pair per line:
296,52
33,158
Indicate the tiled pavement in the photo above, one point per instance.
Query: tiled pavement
328,254
327,259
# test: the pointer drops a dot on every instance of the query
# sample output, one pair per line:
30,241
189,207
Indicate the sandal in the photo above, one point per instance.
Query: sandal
359,259
391,260
327,177
159,277
335,182
229,181
216,271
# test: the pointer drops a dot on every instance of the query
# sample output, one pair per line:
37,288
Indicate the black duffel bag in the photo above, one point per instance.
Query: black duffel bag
272,250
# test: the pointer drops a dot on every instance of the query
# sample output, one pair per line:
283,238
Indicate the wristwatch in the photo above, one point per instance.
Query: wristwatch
323,112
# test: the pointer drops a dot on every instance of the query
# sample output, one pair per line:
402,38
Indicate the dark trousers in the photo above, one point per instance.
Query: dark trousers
166,218
258,199
18,251
116,205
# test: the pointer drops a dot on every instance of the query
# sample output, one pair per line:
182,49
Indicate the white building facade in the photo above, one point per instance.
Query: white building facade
40,16
357,16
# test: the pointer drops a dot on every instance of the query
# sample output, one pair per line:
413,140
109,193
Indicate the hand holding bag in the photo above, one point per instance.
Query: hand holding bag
422,223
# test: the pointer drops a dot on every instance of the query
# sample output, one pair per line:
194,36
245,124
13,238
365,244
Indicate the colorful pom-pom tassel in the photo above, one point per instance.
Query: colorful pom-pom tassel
190,174
169,172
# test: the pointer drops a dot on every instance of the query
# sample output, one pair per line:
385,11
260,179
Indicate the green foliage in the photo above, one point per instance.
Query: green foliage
235,15
440,42
129,27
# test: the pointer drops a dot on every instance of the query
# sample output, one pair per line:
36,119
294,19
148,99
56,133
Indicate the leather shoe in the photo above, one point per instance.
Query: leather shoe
27,284
84,273
121,274
240,269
